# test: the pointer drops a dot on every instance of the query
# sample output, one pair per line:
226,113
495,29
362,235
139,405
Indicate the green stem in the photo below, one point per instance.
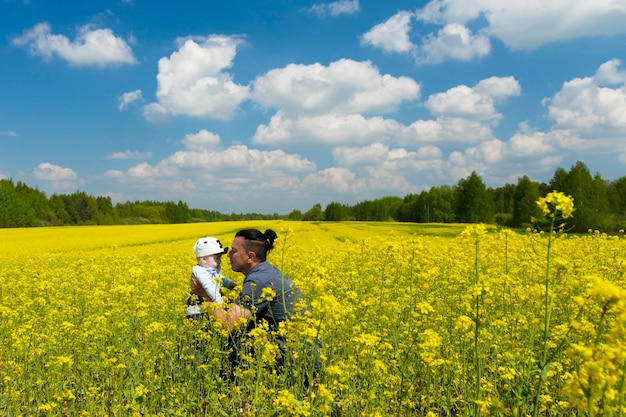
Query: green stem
477,331
543,366
620,403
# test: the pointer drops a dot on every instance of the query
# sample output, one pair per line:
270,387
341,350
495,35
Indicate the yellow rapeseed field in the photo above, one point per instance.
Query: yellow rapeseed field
423,320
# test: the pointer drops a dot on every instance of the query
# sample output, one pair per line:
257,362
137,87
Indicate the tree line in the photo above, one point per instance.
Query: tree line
600,205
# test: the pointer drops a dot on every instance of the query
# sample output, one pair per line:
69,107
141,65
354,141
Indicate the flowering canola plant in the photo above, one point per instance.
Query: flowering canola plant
423,320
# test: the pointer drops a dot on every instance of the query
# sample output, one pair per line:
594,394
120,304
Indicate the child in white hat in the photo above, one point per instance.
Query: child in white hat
209,253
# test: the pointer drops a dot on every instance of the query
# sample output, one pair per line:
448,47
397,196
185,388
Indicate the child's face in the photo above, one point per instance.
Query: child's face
210,261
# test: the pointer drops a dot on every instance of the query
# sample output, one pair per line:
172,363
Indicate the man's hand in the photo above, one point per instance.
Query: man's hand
197,288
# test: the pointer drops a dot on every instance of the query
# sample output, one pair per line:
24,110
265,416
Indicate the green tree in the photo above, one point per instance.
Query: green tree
295,215
15,208
525,198
437,205
407,211
590,197
315,213
616,194
336,212
472,202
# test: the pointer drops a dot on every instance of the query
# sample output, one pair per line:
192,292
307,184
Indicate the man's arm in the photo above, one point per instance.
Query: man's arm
229,318
197,288
232,318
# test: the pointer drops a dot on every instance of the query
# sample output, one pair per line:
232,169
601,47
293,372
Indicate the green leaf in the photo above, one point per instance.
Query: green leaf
544,372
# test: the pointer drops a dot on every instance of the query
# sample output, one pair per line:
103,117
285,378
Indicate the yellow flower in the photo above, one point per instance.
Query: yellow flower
556,202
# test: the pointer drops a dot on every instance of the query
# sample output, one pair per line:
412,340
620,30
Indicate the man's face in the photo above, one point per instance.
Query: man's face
239,259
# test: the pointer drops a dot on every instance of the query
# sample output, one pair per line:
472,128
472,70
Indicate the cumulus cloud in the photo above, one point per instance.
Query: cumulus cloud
610,74
463,114
391,35
58,176
379,157
529,142
445,130
92,47
334,179
127,154
343,87
156,113
10,133
528,25
203,140
379,179
589,107
126,99
194,172
329,104
330,129
372,154
335,8
519,25
239,157
453,41
193,81
474,103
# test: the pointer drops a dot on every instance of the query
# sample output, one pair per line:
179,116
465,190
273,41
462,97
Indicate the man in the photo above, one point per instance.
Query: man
267,293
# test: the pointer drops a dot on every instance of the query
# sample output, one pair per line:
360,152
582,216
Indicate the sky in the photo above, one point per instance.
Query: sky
271,106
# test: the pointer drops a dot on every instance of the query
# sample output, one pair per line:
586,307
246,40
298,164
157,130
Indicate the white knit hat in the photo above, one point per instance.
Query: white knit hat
208,246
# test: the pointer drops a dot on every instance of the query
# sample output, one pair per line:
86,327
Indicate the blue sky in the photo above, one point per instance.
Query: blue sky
270,106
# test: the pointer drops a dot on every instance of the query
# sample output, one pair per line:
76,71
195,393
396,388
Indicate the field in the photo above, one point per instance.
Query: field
415,320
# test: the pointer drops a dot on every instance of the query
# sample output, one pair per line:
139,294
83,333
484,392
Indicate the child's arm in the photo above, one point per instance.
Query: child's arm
227,283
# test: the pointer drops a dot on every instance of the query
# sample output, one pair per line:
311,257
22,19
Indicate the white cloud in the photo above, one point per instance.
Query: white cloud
155,113
453,41
51,172
331,129
609,73
192,81
203,140
382,180
59,177
335,8
238,157
391,35
372,154
10,133
498,87
126,99
528,25
530,144
491,151
222,176
474,103
586,107
343,87
519,25
334,179
380,155
463,115
319,104
445,129
145,171
92,47
127,154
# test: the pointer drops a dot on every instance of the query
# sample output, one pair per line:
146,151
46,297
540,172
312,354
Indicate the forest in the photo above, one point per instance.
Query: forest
600,205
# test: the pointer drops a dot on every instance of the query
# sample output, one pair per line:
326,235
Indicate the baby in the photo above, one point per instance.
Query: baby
209,253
